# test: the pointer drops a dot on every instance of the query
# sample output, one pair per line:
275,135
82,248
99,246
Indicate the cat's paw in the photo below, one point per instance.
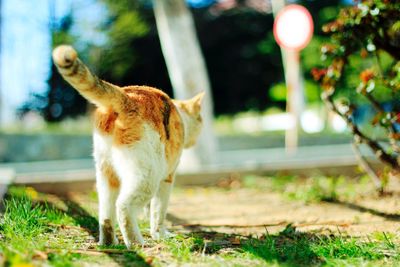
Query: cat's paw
132,245
140,241
107,235
155,235
106,242
162,234
168,234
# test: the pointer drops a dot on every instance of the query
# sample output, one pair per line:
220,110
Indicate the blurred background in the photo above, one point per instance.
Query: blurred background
43,118
263,151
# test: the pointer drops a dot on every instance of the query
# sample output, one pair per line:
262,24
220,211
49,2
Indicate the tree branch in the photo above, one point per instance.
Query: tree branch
391,129
367,167
379,151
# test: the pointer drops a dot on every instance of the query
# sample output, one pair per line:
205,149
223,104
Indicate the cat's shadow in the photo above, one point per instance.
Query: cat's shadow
289,247
81,217
90,224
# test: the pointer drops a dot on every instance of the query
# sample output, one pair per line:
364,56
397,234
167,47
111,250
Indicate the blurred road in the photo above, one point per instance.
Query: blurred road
336,159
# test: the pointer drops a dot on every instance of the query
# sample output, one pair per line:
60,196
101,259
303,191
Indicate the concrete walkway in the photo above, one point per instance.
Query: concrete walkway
329,159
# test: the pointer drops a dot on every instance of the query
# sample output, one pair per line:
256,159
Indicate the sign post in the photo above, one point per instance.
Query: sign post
293,29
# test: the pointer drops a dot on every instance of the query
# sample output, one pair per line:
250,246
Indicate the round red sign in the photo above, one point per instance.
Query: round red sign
293,27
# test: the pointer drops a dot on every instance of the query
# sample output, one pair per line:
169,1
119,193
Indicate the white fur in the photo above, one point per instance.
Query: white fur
107,196
141,168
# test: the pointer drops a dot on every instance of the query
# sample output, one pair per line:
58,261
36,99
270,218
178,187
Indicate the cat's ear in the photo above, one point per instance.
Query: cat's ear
197,101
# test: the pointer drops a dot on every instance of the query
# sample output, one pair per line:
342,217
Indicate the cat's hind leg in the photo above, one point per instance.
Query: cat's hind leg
146,212
140,166
131,200
107,184
159,205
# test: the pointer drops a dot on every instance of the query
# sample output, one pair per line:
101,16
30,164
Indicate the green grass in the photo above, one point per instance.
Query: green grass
293,248
25,226
37,232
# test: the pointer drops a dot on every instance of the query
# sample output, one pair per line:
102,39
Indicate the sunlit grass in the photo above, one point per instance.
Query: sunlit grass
303,249
33,231
25,226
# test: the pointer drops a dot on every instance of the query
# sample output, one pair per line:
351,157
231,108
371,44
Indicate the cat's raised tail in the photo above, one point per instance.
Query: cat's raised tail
75,72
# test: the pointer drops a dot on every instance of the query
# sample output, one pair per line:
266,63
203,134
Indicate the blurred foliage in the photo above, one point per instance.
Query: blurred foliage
363,70
242,57
124,25
241,61
311,92
60,100
132,54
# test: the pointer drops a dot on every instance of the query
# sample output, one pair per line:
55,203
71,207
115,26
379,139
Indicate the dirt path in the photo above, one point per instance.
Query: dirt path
236,208
253,210
215,216
208,221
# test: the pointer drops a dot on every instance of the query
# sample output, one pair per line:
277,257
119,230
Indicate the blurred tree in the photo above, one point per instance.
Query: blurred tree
186,66
127,23
1,67
128,27
366,37
240,53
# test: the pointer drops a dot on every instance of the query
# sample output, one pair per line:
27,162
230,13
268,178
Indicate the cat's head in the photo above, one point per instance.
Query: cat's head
190,111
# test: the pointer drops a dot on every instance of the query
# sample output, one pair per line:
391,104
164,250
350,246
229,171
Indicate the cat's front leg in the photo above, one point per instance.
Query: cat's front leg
159,204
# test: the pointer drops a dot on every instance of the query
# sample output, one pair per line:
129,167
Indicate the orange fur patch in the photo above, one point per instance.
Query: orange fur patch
128,133
105,120
109,173
169,179
173,146
113,182
144,105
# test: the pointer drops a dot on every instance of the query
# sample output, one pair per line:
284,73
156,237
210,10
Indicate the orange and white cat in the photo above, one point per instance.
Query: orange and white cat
138,139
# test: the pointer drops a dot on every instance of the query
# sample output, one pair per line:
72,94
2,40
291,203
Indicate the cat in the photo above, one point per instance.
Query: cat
139,134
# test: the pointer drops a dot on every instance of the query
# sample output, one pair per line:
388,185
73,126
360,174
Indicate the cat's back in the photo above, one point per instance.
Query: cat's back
148,105
143,104
146,108
140,93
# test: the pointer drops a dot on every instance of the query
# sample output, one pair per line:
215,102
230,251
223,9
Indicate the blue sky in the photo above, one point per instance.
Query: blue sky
25,46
